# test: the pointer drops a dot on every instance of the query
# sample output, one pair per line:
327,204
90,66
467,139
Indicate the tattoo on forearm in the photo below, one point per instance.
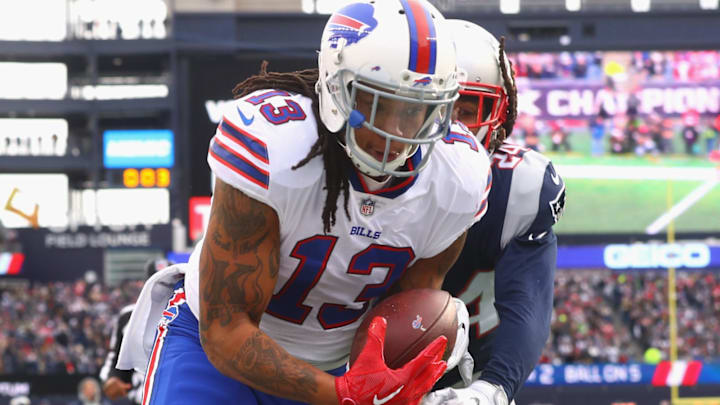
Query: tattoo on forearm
214,305
274,262
240,263
229,292
217,238
262,357
243,222
234,283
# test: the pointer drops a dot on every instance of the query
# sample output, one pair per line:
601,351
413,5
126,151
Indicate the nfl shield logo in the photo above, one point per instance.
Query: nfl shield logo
367,207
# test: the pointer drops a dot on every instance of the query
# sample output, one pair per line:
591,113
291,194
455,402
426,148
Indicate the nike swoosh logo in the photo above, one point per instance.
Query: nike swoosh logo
555,178
245,120
531,237
378,401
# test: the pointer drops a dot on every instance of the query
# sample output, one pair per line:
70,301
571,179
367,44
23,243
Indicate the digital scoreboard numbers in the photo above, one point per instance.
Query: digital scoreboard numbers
146,178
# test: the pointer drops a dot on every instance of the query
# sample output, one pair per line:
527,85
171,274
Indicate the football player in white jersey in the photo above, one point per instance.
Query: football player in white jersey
271,298
505,272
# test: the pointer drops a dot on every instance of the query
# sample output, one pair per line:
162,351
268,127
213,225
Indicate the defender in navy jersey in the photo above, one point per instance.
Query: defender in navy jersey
269,302
505,272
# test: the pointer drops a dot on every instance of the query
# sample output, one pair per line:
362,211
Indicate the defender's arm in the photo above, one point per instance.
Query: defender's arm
523,298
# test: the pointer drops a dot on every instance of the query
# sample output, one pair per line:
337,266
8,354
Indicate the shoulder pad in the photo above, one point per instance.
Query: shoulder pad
461,154
260,138
536,194
552,200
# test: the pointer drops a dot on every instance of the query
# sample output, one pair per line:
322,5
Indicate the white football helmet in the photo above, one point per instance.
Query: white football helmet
480,76
393,51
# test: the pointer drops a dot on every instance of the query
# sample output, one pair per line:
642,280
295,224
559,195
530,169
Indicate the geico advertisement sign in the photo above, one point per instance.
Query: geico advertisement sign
645,256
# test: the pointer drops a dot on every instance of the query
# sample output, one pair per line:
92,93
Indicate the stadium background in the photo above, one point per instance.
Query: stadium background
106,112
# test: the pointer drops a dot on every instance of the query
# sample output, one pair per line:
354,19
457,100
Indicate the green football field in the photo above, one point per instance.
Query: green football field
629,194
631,206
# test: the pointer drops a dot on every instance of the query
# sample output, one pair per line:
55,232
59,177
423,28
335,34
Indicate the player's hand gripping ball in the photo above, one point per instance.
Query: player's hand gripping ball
415,318
371,382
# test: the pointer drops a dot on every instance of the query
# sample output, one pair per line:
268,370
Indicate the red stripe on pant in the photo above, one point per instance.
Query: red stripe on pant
152,367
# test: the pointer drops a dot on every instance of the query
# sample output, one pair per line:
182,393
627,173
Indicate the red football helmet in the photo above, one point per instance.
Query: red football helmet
483,102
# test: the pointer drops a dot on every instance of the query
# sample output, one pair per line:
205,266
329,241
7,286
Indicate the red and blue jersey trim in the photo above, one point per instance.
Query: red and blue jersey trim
423,45
395,189
238,163
252,144
469,139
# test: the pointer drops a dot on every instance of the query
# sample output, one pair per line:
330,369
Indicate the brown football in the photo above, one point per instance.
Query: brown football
414,319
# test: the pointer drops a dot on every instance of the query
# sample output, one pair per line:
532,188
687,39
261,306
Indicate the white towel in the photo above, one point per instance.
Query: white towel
140,336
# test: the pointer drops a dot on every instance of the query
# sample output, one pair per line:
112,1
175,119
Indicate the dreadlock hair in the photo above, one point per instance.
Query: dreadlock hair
335,160
511,91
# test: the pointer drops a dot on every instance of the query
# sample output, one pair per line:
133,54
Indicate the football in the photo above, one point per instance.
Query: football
414,319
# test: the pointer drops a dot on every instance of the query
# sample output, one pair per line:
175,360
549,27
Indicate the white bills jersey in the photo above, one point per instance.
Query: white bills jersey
326,282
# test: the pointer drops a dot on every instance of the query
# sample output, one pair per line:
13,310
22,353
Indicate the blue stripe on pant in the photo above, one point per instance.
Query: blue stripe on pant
184,375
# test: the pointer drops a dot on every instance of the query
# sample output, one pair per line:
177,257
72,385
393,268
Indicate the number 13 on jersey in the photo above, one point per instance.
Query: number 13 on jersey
314,253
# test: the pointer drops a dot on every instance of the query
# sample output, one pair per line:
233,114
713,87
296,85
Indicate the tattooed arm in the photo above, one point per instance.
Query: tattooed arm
239,265
430,272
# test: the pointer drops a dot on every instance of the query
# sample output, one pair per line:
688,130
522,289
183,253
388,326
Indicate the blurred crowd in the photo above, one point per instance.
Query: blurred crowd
619,122
564,65
59,328
602,316
654,65
585,327
678,65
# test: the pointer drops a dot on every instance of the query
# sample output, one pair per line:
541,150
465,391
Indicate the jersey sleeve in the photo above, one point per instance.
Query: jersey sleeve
533,193
465,202
258,141
523,298
238,153
550,206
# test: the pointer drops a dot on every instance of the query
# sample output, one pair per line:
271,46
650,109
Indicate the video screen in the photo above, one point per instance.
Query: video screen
635,135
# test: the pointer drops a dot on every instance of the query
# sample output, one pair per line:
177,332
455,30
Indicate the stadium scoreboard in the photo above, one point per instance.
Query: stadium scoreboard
146,177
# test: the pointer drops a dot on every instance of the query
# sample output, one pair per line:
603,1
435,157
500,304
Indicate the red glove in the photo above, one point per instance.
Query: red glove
371,382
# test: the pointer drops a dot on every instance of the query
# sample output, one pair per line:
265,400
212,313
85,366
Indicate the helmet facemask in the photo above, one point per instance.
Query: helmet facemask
419,116
490,110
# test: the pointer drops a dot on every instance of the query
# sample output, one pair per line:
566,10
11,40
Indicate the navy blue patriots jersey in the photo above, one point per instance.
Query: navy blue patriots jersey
506,269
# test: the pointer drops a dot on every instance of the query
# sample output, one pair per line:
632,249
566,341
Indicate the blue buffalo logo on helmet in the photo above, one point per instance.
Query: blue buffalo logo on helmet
422,81
353,23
